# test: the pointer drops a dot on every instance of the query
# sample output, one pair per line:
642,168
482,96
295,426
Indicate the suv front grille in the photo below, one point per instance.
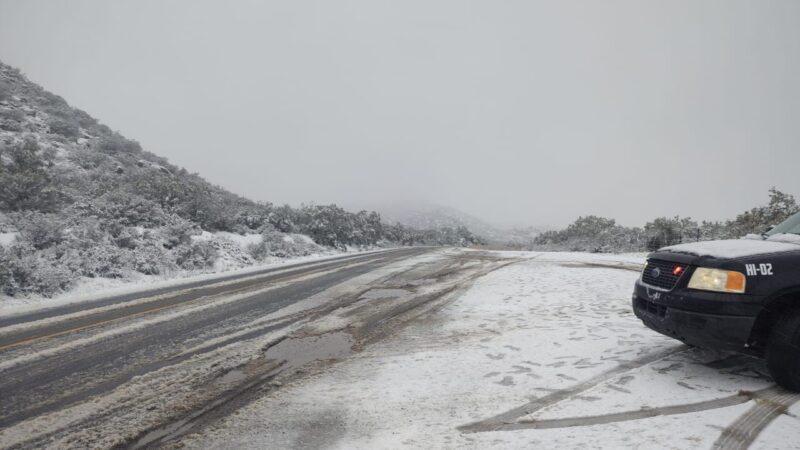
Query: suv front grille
662,274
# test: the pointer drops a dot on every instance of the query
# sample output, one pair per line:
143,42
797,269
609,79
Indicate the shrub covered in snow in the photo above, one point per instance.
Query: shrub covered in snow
113,143
177,234
25,183
5,90
150,259
67,128
197,255
41,231
129,209
24,271
276,244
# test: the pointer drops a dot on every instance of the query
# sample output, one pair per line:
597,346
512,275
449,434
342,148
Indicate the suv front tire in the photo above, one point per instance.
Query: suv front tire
783,351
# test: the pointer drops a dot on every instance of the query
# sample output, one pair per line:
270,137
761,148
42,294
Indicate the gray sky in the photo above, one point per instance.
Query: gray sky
521,112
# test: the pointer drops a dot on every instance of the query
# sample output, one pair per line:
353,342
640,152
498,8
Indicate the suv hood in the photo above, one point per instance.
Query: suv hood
738,248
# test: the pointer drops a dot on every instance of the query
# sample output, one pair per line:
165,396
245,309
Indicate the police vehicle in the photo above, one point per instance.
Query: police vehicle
741,295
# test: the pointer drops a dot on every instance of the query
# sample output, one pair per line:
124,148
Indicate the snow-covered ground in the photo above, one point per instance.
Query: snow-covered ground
550,337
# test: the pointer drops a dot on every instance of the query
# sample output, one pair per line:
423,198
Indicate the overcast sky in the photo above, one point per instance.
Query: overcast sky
520,112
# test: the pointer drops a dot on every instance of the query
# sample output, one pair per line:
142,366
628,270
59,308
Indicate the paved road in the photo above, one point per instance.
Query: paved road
55,379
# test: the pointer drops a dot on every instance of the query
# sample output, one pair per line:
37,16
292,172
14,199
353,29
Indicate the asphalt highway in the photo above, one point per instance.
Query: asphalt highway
72,372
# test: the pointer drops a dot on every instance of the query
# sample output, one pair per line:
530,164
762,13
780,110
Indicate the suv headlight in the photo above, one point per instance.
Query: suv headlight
718,280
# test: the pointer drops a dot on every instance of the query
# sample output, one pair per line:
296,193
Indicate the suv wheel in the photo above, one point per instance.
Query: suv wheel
783,351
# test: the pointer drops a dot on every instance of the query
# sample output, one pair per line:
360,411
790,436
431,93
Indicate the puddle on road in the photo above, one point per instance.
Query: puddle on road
379,294
299,351
233,377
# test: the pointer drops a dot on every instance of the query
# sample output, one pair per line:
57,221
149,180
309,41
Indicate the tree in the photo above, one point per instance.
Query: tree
781,205
665,231
24,181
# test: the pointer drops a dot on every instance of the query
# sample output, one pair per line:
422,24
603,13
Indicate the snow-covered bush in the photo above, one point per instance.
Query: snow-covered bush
7,283
15,115
41,231
130,209
5,90
128,237
197,255
86,232
149,260
114,143
10,125
277,244
11,119
177,234
24,271
25,183
66,128
89,160
104,260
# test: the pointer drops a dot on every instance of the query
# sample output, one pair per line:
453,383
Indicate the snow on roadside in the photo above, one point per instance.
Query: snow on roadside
89,289
539,326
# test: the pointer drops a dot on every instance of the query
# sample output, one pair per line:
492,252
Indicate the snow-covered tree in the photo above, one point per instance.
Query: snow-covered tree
781,205
25,183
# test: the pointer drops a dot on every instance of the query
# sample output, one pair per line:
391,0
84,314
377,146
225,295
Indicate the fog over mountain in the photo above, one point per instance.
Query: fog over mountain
518,113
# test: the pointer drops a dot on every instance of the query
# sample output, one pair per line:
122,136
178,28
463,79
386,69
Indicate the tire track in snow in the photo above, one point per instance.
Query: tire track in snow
508,420
733,400
770,404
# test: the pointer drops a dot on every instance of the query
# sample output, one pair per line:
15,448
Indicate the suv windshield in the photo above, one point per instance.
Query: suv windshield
790,225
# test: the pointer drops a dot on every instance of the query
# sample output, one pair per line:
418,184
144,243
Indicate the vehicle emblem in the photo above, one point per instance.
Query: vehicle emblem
655,273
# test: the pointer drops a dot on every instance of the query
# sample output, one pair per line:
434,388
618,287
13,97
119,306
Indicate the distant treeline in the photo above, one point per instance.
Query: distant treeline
599,234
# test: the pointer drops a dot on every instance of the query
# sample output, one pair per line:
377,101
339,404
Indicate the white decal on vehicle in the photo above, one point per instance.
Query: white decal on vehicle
655,295
758,269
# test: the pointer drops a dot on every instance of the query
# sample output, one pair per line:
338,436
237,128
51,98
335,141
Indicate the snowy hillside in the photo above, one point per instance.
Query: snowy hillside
78,200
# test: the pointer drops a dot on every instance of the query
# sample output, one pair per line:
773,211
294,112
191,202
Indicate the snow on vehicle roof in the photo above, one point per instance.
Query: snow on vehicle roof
733,248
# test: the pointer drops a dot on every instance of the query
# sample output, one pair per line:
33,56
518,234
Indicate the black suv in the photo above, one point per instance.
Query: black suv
741,295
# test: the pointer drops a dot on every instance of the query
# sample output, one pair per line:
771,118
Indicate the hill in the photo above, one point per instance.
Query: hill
79,200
